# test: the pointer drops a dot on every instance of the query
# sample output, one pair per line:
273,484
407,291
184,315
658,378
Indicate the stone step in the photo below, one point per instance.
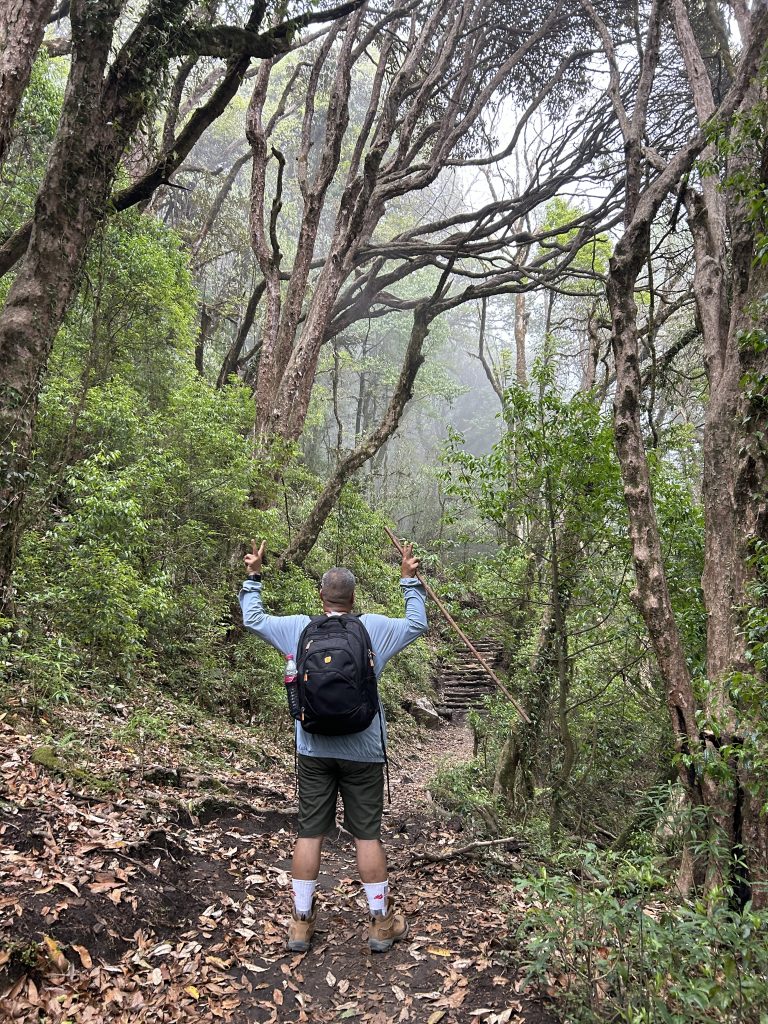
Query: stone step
469,663
465,675
472,669
475,691
468,680
467,691
462,683
488,655
478,682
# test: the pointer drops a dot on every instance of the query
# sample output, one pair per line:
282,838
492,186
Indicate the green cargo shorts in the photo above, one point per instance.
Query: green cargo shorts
361,784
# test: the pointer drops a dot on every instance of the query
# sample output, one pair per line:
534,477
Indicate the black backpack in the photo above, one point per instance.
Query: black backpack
337,683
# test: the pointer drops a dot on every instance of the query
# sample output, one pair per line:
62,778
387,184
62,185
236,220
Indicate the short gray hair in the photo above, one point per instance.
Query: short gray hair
338,585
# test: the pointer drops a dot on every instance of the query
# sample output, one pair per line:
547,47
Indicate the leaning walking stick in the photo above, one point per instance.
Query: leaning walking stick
450,619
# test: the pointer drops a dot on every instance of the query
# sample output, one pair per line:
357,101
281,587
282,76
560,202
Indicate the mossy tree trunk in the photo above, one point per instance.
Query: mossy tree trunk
22,24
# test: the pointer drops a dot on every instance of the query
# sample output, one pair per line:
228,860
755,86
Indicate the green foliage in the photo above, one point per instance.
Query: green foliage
552,446
617,945
591,257
465,789
550,486
145,483
33,132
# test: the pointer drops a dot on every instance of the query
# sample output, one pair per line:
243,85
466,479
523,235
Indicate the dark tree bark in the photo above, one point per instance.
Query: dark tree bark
232,358
22,24
80,169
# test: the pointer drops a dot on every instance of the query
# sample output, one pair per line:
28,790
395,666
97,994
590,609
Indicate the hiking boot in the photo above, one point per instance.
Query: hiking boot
301,929
386,929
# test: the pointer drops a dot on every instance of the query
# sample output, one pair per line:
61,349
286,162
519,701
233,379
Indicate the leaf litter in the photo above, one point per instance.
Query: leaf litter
161,903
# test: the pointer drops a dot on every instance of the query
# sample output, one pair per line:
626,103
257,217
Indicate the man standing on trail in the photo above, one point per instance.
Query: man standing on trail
350,764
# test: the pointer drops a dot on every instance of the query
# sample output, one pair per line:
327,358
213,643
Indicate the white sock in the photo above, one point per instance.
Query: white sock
303,891
377,896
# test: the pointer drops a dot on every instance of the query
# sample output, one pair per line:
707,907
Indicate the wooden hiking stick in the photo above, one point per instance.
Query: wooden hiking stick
450,619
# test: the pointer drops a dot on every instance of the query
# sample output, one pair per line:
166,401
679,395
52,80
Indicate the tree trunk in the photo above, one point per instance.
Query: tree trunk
652,593
521,331
505,776
232,358
734,477
22,25
206,325
69,205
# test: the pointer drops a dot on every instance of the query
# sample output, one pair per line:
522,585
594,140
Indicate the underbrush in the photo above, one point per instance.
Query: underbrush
463,789
609,940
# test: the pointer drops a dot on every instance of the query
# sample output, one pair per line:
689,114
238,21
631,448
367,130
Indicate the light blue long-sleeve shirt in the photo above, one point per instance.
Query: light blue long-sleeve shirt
388,637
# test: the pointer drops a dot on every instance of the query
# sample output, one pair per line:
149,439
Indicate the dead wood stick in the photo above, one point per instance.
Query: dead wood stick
450,619
462,850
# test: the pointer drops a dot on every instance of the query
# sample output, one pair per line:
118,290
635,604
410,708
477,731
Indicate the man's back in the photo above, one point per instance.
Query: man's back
388,636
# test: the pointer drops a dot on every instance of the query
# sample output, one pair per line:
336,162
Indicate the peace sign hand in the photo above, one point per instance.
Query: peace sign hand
410,564
254,560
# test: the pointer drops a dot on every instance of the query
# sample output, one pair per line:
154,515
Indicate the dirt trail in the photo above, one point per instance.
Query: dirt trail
131,909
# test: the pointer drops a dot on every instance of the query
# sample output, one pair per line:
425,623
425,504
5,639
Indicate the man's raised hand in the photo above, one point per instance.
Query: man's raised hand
410,563
253,561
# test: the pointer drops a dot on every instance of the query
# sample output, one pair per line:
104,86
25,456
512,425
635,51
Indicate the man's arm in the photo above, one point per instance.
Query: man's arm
389,636
281,631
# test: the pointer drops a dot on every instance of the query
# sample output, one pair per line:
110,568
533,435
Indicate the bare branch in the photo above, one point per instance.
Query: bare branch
229,41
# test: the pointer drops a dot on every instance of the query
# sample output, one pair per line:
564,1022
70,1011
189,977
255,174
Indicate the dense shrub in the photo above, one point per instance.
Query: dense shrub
612,942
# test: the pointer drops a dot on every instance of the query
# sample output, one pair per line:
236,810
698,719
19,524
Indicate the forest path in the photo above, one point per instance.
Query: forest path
131,909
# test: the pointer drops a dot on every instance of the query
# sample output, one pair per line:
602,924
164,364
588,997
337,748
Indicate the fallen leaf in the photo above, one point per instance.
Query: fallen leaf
192,991
435,1017
277,997
455,999
32,995
67,885
85,956
439,951
55,954
330,979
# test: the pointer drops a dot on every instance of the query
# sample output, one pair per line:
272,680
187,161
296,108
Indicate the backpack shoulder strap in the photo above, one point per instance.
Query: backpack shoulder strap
302,636
359,625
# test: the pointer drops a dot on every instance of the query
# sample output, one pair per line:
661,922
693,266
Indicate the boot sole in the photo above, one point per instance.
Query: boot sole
384,945
297,946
